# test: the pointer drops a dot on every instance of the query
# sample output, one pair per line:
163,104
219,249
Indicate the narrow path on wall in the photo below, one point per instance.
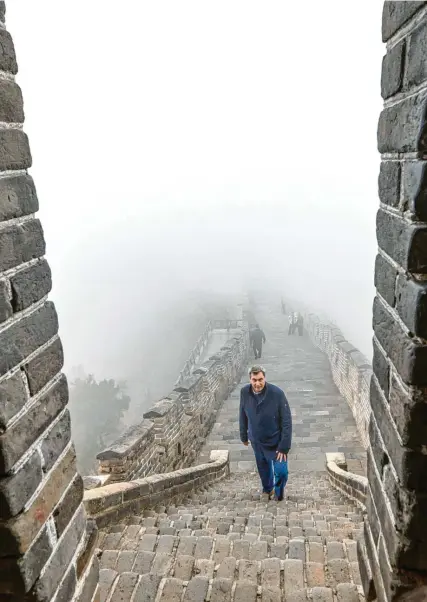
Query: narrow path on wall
218,338
322,419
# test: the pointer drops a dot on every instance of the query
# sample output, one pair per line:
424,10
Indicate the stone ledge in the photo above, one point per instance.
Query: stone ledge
111,503
351,485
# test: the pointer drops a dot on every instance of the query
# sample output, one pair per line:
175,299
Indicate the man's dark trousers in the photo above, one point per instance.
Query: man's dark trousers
273,474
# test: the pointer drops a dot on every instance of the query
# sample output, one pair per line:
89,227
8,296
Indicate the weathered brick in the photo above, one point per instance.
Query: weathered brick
294,579
20,243
392,70
411,297
12,397
2,10
14,149
27,335
172,590
381,368
147,588
67,506
410,466
17,534
221,590
415,68
48,582
7,53
246,591
322,594
5,305
389,183
16,490
408,355
17,439
385,279
402,241
11,102
44,366
18,197
401,127
196,589
347,592
409,412
30,285
395,14
56,441
17,575
414,185
315,574
90,582
68,586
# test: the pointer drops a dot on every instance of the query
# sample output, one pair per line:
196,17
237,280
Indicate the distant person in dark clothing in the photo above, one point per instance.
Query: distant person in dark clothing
265,420
300,324
257,339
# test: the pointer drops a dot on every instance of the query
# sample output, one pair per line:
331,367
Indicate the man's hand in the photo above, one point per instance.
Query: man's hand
281,457
246,443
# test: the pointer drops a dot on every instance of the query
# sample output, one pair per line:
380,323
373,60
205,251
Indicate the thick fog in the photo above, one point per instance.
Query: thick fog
187,149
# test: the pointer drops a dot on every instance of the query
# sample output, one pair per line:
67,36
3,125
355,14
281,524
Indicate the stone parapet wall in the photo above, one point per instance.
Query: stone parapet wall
350,369
352,485
195,354
112,503
174,428
45,544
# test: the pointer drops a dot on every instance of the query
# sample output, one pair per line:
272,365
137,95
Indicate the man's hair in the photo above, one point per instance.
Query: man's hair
256,369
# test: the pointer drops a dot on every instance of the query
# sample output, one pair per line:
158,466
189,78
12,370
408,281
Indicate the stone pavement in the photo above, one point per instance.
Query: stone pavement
225,544
322,419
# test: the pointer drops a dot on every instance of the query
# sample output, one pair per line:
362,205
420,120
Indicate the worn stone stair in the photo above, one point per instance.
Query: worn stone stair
227,543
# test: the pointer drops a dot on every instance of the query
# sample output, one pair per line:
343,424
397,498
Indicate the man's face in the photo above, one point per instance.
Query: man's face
258,382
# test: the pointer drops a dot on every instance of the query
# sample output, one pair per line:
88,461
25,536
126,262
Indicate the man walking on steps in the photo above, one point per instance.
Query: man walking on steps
266,421
257,339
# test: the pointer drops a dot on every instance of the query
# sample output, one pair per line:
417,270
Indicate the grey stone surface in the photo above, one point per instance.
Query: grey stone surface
18,197
30,285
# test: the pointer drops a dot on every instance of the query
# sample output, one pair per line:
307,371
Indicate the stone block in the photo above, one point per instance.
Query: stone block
17,439
68,586
221,590
411,304
90,582
17,534
385,279
6,310
408,355
30,285
56,441
2,11
409,412
389,183
415,68
17,575
25,336
15,150
48,582
16,490
414,186
146,590
381,369
11,102
13,397
396,14
7,53
401,127
20,243
172,590
402,241
44,366
392,70
196,589
18,197
68,505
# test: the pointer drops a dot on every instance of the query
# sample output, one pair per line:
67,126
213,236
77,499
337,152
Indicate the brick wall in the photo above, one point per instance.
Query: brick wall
350,369
45,540
174,429
394,554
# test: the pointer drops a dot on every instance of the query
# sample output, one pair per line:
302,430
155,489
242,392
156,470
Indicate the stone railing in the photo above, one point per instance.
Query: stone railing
111,503
175,428
352,485
351,370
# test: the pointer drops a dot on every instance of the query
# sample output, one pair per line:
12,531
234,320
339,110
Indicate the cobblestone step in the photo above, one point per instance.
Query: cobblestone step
227,543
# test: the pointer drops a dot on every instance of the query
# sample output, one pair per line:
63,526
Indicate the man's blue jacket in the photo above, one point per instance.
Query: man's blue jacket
266,418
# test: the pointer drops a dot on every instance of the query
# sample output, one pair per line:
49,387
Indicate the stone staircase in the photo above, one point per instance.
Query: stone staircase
226,543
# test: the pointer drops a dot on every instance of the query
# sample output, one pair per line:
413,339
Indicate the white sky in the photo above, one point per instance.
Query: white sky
251,126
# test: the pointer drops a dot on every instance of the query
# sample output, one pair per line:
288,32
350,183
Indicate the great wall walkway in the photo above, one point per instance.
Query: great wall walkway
225,543
322,420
